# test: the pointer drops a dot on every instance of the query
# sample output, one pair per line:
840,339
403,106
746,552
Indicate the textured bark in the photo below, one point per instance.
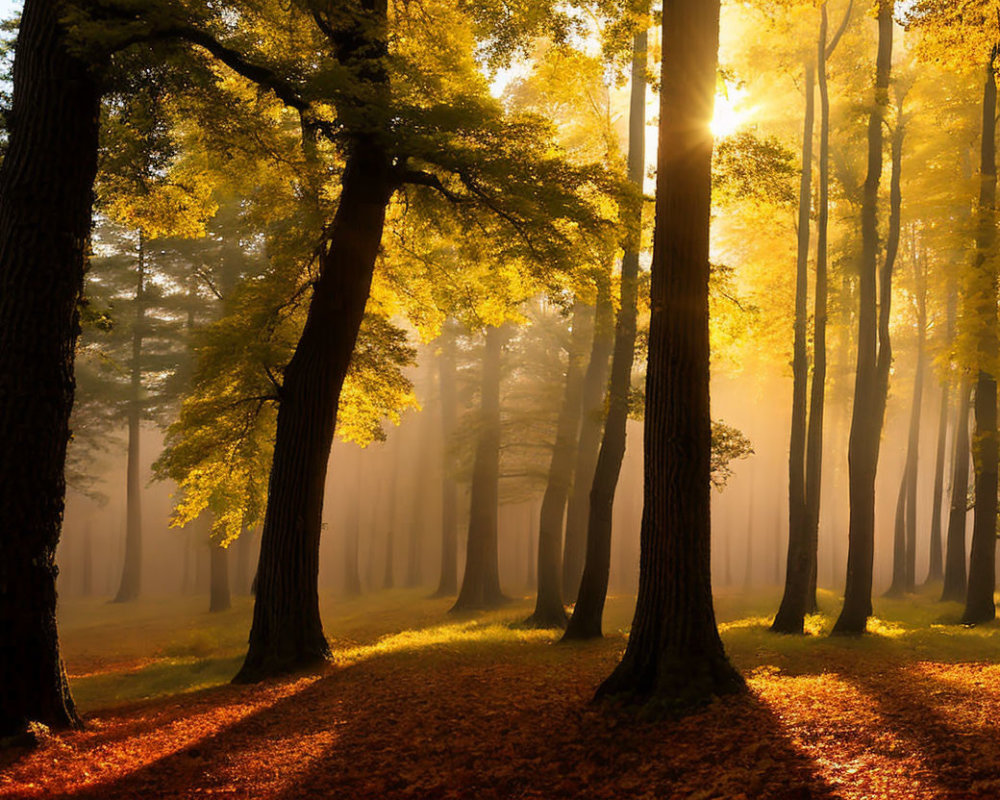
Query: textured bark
798,571
675,659
46,183
595,385
549,611
131,580
589,609
448,581
979,604
481,579
287,634
219,596
954,562
874,357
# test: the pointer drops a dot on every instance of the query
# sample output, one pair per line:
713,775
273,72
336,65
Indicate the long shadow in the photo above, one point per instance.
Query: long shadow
955,756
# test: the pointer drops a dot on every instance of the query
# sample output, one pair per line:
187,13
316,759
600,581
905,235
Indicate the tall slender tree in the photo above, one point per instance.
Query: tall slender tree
589,609
675,658
874,357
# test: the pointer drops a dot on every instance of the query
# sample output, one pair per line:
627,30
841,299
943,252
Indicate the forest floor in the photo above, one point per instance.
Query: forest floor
422,704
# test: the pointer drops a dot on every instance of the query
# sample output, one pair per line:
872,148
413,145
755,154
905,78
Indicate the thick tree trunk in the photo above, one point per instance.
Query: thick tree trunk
873,354
481,580
954,562
46,182
979,604
798,572
219,596
675,659
131,581
549,611
595,385
448,582
589,609
287,633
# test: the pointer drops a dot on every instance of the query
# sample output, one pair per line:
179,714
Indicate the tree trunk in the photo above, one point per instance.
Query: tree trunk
817,396
46,182
549,611
481,581
589,610
219,597
873,353
935,570
954,562
798,572
979,605
131,582
675,659
448,583
287,633
595,384
913,444
898,586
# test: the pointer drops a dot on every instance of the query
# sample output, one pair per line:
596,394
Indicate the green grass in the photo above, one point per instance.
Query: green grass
123,653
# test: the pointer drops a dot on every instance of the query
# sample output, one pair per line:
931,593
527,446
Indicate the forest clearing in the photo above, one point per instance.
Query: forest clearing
417,704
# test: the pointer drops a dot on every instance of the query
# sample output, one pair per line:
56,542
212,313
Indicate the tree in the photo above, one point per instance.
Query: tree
448,581
46,182
675,658
874,353
588,611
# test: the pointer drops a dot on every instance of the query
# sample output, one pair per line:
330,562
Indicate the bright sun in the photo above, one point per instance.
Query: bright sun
729,115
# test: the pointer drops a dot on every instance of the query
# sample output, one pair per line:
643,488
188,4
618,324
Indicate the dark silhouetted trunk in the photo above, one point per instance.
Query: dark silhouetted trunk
287,633
219,596
874,357
675,659
46,183
595,384
979,604
481,580
131,582
549,611
798,571
448,581
935,571
954,561
589,610
817,395
898,585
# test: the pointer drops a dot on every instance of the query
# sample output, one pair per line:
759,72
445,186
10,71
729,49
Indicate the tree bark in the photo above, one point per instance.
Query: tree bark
595,384
874,354
954,564
46,182
448,582
131,580
979,604
549,611
287,633
675,659
792,611
481,580
589,609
